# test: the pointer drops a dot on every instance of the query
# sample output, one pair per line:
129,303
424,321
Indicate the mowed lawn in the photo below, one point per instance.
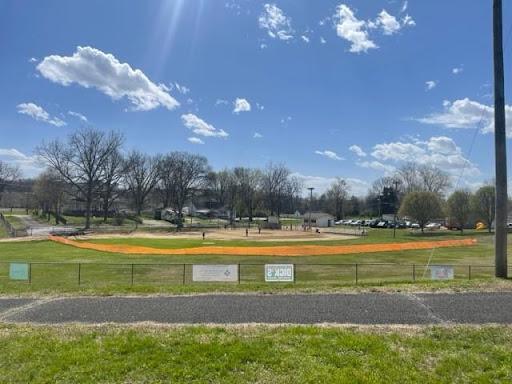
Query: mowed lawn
55,266
255,354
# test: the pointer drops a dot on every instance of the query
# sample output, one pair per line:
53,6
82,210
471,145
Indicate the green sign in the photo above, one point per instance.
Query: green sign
19,271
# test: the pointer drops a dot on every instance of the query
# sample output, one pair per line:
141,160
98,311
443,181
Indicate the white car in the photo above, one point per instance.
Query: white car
433,226
415,225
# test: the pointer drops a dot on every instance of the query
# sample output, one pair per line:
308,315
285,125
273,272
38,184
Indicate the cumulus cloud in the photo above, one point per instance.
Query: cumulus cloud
276,23
91,68
440,151
201,127
323,41
377,166
305,39
181,88
329,154
38,113
388,23
466,113
357,31
350,28
321,184
195,140
257,135
78,116
32,60
241,105
430,85
357,150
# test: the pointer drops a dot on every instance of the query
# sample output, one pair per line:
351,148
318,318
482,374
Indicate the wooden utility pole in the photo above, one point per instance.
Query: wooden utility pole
500,145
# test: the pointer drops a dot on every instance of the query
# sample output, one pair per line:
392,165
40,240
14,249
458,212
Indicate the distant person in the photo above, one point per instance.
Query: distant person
259,230
246,232
204,235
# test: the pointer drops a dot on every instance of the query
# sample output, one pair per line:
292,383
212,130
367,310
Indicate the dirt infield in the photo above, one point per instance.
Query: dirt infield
288,250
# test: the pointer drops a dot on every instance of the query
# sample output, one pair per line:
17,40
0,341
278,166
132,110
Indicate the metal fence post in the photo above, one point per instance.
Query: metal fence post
132,275
79,272
356,275
30,273
239,277
184,272
469,272
414,272
294,273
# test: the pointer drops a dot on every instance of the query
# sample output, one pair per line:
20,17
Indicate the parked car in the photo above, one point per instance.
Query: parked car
433,226
415,226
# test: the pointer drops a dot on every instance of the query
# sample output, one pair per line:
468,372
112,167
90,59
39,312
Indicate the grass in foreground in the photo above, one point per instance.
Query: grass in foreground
109,354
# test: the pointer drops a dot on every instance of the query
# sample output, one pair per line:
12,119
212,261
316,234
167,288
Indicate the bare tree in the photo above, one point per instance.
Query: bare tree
8,175
141,176
274,185
111,174
80,161
189,175
49,190
336,196
248,181
421,178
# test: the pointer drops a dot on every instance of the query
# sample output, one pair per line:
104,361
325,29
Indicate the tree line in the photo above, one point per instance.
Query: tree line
92,167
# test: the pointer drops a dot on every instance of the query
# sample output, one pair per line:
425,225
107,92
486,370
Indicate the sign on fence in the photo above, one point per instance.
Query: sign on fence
215,273
279,273
441,272
19,271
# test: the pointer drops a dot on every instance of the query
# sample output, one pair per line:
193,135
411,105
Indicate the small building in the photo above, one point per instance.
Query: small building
319,219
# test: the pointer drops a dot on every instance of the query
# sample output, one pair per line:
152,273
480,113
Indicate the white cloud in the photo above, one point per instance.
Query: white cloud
377,166
329,154
29,165
241,105
201,127
323,41
321,184
38,113
181,88
92,68
357,150
440,151
466,113
352,29
430,85
221,102
457,70
408,21
276,23
257,135
78,116
305,39
32,60
388,23
405,5
195,140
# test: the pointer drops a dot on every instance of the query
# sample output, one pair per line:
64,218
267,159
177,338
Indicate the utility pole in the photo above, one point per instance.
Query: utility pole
500,145
310,204
395,183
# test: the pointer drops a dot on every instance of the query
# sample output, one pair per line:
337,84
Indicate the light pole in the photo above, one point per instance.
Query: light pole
310,204
395,183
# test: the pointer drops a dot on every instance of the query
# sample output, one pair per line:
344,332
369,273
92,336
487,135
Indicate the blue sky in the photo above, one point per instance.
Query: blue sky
332,88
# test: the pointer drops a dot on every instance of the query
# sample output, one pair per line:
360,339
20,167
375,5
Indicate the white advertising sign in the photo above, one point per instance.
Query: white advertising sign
279,273
215,273
441,272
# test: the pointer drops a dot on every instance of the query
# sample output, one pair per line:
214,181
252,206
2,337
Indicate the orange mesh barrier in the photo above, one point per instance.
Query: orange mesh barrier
286,250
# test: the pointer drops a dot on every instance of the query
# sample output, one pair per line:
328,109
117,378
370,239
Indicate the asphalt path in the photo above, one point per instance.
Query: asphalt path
367,308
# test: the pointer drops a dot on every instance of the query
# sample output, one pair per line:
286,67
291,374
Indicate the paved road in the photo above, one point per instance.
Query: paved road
378,308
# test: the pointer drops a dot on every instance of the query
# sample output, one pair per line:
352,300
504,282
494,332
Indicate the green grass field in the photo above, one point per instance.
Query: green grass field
55,266
293,354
